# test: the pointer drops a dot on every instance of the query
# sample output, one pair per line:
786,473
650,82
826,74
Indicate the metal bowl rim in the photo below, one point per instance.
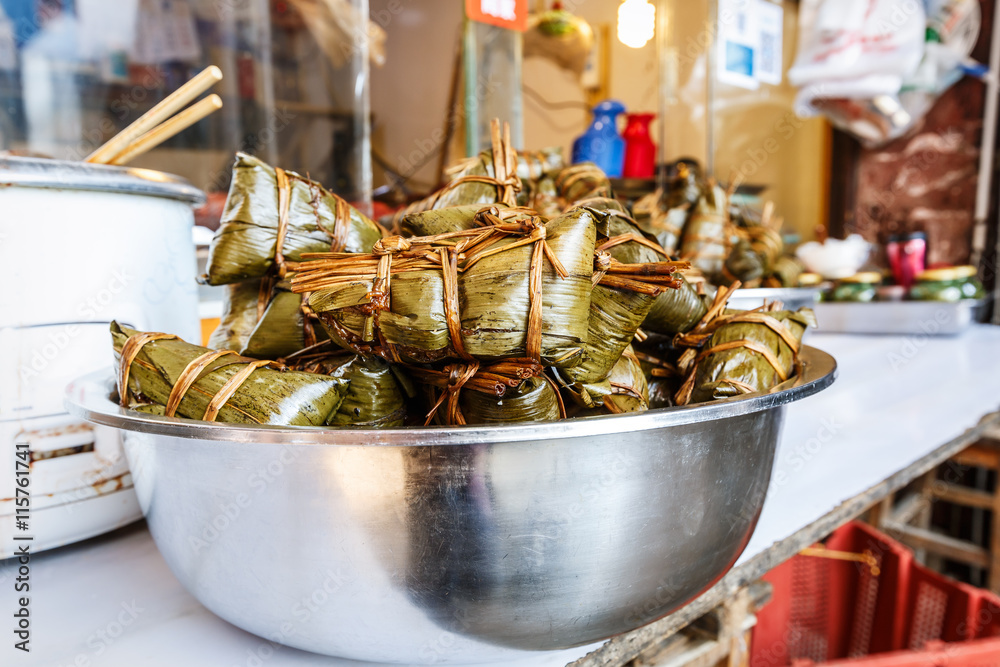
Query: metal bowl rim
88,397
45,173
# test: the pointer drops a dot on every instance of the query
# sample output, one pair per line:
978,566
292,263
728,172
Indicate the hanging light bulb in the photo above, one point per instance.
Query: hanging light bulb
636,23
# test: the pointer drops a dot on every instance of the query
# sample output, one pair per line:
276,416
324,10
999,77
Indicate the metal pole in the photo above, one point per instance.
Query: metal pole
665,90
710,56
262,33
471,101
362,116
987,145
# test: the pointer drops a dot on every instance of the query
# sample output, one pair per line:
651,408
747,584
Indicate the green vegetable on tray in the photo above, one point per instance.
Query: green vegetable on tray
948,284
859,288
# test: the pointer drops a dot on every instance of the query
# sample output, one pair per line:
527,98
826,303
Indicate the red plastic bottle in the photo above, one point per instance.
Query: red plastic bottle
640,151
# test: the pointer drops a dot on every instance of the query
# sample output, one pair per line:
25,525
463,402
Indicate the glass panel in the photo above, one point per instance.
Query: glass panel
492,84
750,135
75,72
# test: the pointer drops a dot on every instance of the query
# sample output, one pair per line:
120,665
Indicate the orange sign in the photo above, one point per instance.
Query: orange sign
510,14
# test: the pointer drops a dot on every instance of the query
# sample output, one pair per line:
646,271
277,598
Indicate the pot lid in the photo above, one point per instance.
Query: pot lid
30,172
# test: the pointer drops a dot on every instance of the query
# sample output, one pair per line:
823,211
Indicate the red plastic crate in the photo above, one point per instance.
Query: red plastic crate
973,653
825,610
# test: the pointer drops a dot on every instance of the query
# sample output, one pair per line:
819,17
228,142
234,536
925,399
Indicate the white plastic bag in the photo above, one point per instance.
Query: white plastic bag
856,49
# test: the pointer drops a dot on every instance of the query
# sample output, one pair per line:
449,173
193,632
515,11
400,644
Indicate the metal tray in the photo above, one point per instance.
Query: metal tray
793,297
931,318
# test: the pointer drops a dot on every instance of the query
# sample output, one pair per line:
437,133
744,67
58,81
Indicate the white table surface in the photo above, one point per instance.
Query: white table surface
897,399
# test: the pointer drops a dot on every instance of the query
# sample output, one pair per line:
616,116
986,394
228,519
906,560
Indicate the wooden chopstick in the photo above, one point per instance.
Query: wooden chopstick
170,105
172,126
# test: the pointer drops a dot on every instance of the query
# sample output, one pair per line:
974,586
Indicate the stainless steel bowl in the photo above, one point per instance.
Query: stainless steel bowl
454,545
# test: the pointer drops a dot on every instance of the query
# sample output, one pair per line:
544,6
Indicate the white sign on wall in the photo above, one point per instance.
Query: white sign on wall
749,43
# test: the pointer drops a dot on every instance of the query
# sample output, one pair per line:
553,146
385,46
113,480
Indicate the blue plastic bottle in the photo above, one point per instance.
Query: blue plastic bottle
601,143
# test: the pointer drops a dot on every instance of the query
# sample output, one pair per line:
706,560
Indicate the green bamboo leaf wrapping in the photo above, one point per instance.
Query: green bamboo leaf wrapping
536,165
281,329
661,392
615,315
239,316
534,400
705,242
742,264
544,198
494,295
267,397
676,311
744,365
441,220
665,224
279,332
626,387
786,270
582,181
531,166
493,302
374,398
244,245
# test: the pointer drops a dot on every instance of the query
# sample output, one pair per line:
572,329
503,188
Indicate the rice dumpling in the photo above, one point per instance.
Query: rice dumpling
273,216
743,264
513,275
264,320
706,239
521,289
582,181
375,396
512,390
748,351
664,213
199,383
676,311
544,198
534,400
239,316
493,176
615,314
624,389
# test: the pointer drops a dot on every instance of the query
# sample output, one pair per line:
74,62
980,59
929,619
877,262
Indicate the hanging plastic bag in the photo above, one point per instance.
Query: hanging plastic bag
852,60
